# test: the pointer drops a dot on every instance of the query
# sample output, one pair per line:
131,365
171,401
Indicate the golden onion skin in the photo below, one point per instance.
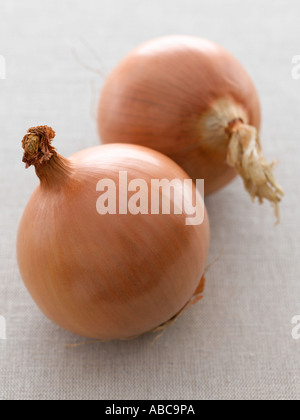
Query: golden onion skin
111,276
166,95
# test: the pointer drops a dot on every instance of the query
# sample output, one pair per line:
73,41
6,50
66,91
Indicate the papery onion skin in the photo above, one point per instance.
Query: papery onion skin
180,95
113,276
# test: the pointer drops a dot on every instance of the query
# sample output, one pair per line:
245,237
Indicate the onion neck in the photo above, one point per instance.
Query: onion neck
55,172
52,169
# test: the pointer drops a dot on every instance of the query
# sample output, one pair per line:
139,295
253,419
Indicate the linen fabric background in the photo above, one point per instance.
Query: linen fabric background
235,344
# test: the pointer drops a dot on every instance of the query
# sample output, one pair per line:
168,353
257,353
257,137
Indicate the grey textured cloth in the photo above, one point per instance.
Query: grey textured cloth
237,343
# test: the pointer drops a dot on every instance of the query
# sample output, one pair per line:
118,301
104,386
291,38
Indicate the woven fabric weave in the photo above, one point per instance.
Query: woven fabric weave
236,343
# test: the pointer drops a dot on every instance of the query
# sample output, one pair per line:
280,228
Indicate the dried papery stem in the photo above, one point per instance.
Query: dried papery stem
94,53
197,296
83,343
52,169
218,257
37,145
245,155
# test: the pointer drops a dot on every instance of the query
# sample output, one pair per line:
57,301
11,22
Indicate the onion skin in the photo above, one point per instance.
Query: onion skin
179,95
112,276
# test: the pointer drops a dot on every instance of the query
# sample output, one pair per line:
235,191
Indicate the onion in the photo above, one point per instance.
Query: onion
193,101
113,275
